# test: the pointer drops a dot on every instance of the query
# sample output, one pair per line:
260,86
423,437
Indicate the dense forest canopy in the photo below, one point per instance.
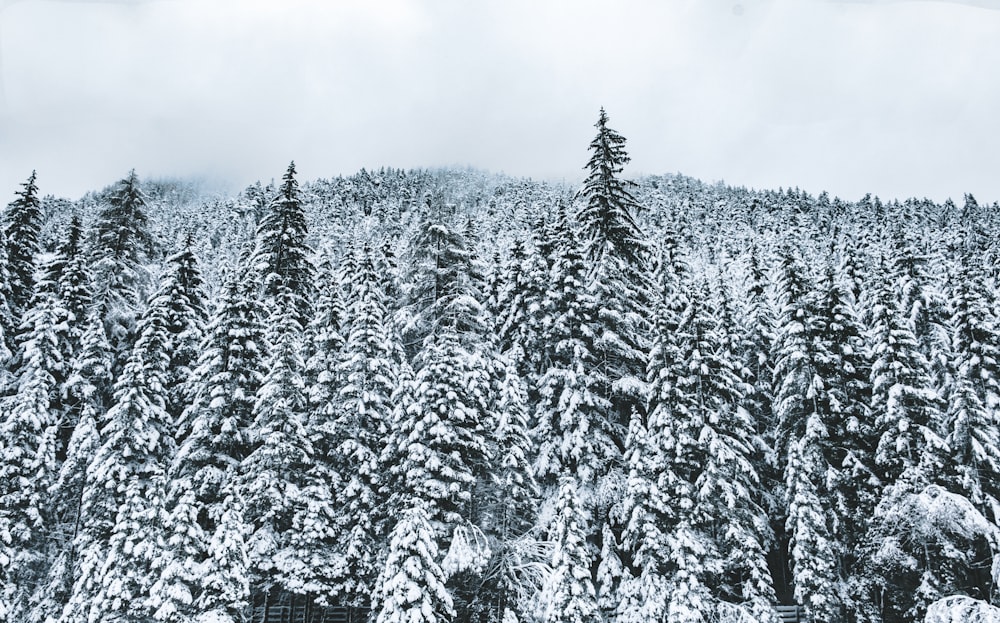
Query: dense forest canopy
442,395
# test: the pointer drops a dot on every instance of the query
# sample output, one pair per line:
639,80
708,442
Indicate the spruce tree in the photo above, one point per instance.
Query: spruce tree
281,254
121,541
71,271
609,216
353,425
411,585
974,391
568,595
28,462
180,293
443,285
618,254
439,444
910,456
325,332
573,431
277,481
844,370
208,569
801,407
517,307
440,447
121,243
55,591
729,485
22,225
508,500
617,279
8,324
906,408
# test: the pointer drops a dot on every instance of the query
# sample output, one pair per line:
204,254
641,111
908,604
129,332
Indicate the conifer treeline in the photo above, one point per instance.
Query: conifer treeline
446,395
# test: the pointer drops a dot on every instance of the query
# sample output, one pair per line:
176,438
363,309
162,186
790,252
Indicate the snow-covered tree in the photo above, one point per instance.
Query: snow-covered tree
974,393
121,540
574,431
438,445
617,254
353,425
411,585
180,292
121,242
207,568
281,254
568,594
287,507
22,224
517,308
802,408
443,286
28,447
508,501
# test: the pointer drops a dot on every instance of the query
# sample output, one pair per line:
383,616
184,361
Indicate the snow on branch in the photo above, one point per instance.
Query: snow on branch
961,609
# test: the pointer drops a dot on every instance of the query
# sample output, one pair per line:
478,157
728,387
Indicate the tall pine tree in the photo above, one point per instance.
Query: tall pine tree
22,225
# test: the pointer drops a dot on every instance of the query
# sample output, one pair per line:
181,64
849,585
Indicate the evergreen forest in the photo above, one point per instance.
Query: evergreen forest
450,395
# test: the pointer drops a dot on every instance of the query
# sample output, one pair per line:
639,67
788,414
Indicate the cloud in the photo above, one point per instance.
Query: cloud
887,97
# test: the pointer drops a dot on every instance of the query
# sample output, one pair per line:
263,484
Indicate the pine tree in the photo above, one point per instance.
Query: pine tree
974,394
568,595
618,255
8,325
642,593
281,255
440,424
921,304
66,494
906,409
68,277
180,294
801,406
609,215
729,485
517,308
411,586
325,333
442,288
910,456
617,281
121,242
121,543
842,365
573,430
91,381
208,568
678,421
70,270
354,424
22,225
508,500
284,501
438,446
28,463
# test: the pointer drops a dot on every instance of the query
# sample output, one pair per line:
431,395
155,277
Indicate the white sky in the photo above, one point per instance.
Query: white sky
897,98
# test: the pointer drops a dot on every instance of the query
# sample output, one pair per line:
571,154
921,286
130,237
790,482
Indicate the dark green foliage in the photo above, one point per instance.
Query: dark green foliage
22,224
281,255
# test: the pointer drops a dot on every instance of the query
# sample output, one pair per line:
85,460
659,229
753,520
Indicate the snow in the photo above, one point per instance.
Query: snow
214,616
961,609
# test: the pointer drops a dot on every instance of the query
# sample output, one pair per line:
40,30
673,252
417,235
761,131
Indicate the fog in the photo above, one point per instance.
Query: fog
896,98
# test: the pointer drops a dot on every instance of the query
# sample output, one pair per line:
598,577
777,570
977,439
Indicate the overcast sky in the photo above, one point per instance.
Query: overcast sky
895,97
